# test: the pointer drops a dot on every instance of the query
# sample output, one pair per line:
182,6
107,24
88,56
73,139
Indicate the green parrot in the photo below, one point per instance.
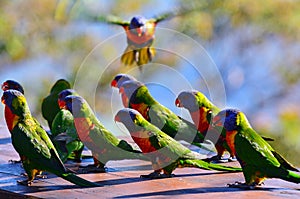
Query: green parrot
165,153
140,34
102,143
257,158
32,143
12,84
136,95
202,111
64,134
49,104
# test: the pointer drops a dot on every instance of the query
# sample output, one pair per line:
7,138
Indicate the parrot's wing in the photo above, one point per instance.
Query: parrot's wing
253,149
113,20
284,162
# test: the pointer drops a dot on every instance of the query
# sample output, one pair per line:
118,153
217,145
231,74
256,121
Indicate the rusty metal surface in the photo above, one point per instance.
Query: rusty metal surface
122,181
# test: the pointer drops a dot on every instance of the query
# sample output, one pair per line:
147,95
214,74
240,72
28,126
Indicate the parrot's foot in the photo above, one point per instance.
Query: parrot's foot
232,159
91,168
24,182
155,175
14,161
243,185
41,176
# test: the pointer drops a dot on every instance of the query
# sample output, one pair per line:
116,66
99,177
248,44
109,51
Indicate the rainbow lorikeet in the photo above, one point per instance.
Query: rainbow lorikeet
202,111
49,104
14,85
165,153
102,143
136,95
64,135
119,79
140,34
32,143
257,158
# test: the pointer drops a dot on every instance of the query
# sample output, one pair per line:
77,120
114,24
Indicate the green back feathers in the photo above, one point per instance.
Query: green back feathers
203,101
60,85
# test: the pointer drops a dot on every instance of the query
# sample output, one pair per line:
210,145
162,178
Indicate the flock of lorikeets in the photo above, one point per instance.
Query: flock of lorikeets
153,127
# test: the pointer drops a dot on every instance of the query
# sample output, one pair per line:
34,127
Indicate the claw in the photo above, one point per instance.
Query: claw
91,168
242,185
156,175
14,161
24,182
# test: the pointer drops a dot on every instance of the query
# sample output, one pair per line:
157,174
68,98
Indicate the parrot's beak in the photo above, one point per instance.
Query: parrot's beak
4,87
61,104
177,103
114,83
117,118
140,31
218,121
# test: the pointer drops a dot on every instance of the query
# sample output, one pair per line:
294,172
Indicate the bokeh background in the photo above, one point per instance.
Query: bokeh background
253,44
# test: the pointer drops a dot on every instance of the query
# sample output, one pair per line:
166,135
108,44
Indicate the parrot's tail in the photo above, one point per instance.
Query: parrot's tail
129,56
292,177
208,166
145,55
78,181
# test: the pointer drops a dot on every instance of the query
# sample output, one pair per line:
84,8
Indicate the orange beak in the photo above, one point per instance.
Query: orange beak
139,31
61,104
178,103
117,118
114,83
4,86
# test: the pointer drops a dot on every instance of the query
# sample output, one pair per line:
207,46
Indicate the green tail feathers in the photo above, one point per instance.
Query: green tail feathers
292,177
208,166
78,180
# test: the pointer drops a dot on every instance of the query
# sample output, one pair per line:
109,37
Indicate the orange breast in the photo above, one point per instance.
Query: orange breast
11,119
142,108
200,120
83,129
143,142
149,34
230,136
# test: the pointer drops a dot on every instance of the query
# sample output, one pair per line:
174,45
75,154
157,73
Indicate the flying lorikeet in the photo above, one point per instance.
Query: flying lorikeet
136,95
257,158
119,79
32,143
102,143
64,135
202,112
140,34
165,153
49,105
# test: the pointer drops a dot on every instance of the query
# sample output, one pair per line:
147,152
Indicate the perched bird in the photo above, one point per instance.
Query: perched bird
140,34
49,104
119,79
256,157
165,153
64,135
11,84
102,143
202,112
14,85
32,143
136,95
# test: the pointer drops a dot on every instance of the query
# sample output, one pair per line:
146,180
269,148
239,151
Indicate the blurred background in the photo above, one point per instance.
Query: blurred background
249,56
